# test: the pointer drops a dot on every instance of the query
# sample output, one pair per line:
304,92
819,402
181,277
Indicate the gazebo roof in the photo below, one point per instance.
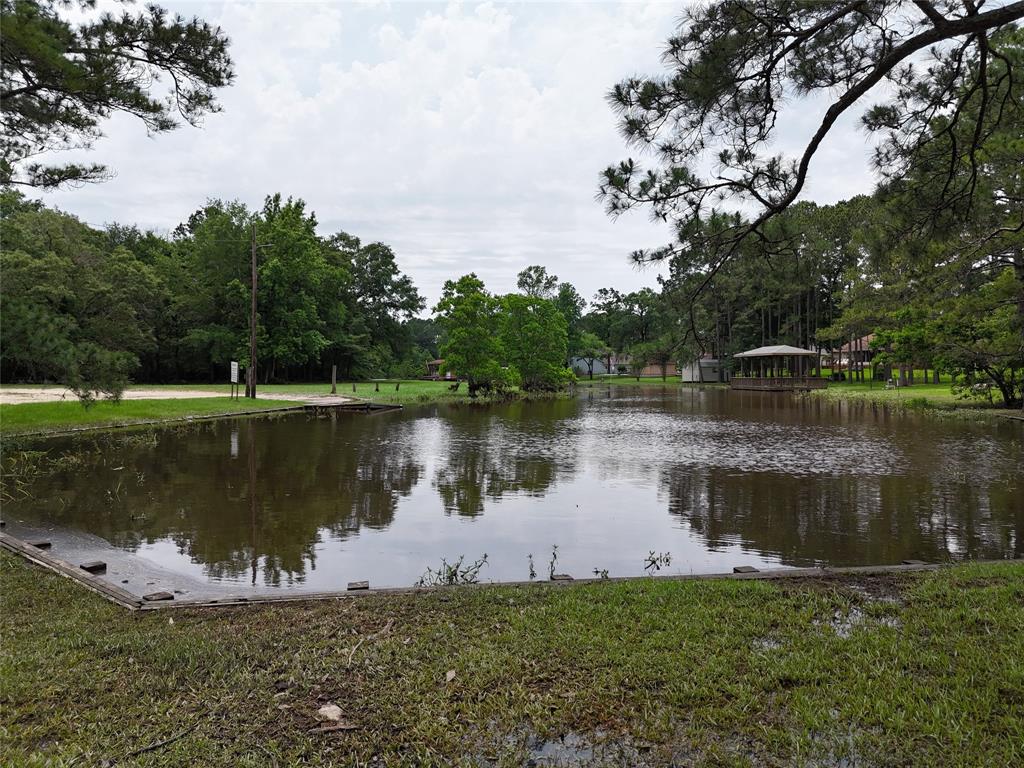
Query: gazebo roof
779,350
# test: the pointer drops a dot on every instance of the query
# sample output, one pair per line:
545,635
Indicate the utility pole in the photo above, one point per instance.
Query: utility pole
250,387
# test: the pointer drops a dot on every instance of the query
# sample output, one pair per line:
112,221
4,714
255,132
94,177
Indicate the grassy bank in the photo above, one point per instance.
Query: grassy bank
917,669
409,391
927,397
60,416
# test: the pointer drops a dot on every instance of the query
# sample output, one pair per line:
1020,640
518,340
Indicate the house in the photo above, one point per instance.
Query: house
620,364
855,355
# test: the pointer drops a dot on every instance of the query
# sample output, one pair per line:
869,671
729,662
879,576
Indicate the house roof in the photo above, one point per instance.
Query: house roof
778,350
864,342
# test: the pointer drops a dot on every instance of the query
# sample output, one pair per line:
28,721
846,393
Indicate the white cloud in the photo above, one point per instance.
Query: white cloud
469,137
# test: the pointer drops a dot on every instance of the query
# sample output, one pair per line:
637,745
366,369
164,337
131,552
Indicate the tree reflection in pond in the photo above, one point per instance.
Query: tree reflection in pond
243,496
712,476
521,448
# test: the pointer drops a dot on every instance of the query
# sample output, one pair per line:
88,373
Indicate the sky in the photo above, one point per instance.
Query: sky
469,137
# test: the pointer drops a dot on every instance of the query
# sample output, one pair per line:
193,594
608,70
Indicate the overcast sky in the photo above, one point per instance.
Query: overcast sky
469,137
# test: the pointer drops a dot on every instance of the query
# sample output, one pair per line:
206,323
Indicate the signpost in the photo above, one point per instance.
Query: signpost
234,379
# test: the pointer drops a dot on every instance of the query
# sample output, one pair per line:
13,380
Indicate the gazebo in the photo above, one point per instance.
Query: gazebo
778,368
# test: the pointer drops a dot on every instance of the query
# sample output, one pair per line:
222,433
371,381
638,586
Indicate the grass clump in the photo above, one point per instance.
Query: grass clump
922,669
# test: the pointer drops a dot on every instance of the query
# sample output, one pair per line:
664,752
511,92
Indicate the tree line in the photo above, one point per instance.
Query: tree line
931,264
92,308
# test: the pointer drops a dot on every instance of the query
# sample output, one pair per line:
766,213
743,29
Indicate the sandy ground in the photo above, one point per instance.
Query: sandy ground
17,395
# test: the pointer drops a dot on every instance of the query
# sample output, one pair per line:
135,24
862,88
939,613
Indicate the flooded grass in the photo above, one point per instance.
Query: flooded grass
60,416
649,673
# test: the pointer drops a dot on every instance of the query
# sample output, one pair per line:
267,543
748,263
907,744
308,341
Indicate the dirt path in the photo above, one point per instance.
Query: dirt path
17,395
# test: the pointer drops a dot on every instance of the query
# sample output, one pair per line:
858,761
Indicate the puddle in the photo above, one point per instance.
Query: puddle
526,747
767,644
843,623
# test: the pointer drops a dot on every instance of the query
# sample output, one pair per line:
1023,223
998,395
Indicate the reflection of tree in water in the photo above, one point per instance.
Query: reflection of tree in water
846,520
197,489
522,447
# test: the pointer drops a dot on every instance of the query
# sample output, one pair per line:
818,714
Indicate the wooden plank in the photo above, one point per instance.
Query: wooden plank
132,602
103,588
94,566
767,575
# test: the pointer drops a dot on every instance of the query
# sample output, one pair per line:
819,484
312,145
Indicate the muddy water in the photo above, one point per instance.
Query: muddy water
712,477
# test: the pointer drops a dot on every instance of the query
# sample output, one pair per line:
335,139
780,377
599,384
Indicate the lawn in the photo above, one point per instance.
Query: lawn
923,669
383,391
57,416
936,397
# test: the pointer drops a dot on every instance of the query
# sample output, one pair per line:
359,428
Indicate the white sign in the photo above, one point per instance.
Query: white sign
234,371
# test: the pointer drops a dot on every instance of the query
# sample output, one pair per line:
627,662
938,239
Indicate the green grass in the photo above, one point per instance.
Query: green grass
58,416
714,673
938,394
409,391
934,398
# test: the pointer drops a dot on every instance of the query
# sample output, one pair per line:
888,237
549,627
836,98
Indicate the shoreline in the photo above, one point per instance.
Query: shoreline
45,558
61,418
646,673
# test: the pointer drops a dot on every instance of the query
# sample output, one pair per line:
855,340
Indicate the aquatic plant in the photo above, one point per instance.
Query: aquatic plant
655,562
448,574
554,561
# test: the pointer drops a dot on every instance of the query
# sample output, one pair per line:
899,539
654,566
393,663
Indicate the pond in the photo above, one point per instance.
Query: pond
709,477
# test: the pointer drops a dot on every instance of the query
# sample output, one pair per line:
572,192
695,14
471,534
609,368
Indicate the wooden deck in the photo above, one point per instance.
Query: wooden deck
778,383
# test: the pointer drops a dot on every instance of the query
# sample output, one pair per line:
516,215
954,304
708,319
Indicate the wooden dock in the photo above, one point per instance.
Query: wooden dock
778,383
340,405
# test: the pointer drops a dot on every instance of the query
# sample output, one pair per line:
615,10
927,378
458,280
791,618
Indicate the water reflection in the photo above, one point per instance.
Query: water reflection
710,475
520,448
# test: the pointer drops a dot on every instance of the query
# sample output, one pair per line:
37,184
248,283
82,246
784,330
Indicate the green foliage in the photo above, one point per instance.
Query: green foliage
625,320
590,349
710,120
91,308
534,281
94,370
571,305
60,79
494,342
471,320
980,338
533,335
72,312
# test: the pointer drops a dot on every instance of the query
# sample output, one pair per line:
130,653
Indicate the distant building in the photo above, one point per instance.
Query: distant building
581,368
434,370
855,355
705,370
777,368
